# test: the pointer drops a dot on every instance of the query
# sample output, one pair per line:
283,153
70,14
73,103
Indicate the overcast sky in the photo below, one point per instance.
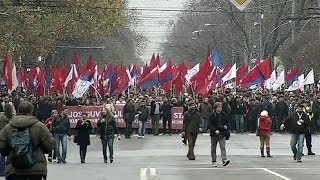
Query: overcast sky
154,24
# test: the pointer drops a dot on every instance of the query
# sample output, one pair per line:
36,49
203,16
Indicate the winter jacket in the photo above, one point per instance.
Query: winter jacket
191,121
238,108
282,110
143,112
41,137
265,124
128,112
167,110
216,122
61,125
291,123
83,132
109,130
153,108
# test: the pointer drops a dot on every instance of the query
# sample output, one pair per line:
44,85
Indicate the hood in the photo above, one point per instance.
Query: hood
23,121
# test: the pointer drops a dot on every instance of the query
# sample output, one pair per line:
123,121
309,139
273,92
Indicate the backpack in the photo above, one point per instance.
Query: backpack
23,149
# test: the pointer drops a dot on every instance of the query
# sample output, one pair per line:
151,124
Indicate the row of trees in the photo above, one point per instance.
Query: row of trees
266,27
56,29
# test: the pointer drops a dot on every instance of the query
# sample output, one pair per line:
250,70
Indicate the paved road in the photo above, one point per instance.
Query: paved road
163,158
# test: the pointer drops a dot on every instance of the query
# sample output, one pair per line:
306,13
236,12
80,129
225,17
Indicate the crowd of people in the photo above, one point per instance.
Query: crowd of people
47,123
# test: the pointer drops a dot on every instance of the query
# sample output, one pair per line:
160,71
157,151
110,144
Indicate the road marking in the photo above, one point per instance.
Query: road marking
153,172
275,174
143,174
234,169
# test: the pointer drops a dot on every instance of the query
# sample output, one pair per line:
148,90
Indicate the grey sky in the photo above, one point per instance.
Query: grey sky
155,24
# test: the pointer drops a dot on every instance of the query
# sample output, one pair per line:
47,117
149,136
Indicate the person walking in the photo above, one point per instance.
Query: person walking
143,115
61,130
107,129
128,116
264,125
5,118
84,129
297,124
191,124
48,123
35,135
219,133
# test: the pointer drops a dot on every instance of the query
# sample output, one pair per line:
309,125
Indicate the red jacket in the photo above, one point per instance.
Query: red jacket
265,124
48,123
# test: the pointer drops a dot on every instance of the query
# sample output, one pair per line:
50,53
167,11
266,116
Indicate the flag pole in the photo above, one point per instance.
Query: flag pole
97,92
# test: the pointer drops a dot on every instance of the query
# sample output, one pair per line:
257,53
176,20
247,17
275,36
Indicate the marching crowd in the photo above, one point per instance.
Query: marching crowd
43,125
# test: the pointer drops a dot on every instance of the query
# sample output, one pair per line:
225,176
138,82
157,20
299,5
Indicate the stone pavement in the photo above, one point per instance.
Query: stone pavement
164,158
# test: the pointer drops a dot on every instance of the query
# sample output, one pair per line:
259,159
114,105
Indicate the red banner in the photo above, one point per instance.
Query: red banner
95,111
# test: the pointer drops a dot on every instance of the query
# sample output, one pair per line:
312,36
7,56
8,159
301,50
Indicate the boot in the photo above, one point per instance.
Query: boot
310,153
268,152
262,152
82,156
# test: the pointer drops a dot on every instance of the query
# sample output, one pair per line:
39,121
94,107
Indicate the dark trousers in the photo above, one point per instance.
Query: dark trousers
166,121
108,142
308,140
192,138
24,177
128,129
2,165
83,152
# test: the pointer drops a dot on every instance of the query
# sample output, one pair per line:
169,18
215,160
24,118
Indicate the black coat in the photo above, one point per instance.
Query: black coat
153,108
167,110
291,123
84,131
128,112
143,112
110,130
217,121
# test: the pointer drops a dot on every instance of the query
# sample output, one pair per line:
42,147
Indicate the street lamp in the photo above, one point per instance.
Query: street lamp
266,40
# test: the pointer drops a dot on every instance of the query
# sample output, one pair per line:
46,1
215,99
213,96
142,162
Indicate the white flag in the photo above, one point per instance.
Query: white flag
232,73
192,72
163,67
269,82
82,85
15,82
279,81
69,77
309,78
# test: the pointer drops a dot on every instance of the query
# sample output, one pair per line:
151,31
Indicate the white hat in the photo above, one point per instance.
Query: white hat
264,113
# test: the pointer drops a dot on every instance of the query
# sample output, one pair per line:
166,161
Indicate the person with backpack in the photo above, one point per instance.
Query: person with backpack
107,129
84,129
25,140
4,120
61,130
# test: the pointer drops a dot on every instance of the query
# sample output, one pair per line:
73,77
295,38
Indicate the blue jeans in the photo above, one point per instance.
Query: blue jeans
239,122
142,128
107,142
2,165
63,139
297,139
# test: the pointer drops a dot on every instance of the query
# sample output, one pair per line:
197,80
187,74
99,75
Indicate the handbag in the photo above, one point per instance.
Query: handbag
258,128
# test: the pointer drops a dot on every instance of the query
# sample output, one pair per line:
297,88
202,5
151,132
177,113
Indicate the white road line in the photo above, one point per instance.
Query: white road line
153,172
235,169
143,174
275,174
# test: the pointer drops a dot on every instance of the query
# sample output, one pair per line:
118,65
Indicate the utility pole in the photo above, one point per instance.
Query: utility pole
261,31
293,24
319,20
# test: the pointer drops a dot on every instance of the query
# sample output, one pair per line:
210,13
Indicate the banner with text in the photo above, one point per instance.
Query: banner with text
94,113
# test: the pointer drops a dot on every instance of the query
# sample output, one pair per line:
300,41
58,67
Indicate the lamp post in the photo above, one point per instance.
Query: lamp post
266,40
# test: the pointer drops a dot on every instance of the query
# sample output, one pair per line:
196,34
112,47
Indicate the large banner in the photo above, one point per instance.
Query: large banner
94,113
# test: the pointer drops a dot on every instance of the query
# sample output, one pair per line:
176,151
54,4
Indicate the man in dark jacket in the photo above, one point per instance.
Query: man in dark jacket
128,116
155,115
166,115
297,124
219,133
238,109
143,112
61,129
191,125
282,111
205,111
41,138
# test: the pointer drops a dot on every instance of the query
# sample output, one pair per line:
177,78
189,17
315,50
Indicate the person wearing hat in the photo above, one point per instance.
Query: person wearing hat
218,125
191,125
264,125
297,124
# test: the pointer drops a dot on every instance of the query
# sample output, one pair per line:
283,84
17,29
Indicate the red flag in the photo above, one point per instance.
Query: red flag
265,68
41,82
90,63
76,59
7,71
242,71
123,80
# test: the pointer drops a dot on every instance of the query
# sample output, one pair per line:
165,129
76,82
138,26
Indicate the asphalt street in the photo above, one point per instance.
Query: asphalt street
164,158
